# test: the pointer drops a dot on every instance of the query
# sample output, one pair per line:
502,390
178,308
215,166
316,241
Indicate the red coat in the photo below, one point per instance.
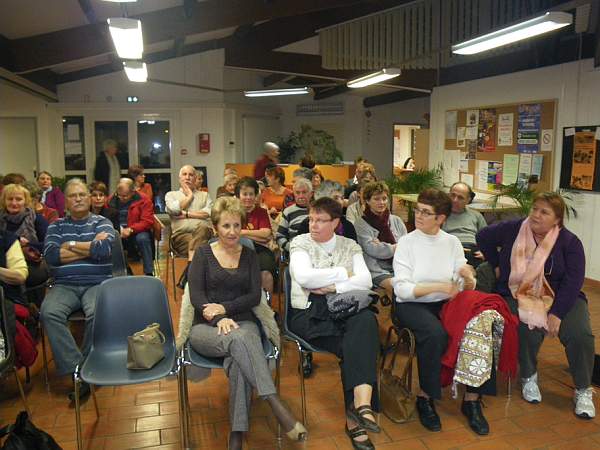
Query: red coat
459,311
140,215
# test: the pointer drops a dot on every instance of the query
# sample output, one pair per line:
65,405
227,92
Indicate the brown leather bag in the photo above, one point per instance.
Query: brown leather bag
145,348
397,398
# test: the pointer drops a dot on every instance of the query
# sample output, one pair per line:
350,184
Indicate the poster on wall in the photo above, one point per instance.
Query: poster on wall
537,163
451,117
528,128
584,160
451,166
471,133
481,174
461,133
494,175
524,169
486,135
472,118
505,129
547,140
471,150
510,169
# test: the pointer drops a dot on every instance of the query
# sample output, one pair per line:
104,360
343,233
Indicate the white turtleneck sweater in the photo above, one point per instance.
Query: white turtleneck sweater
425,258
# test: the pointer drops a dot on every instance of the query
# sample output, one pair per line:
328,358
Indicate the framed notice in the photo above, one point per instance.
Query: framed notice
580,167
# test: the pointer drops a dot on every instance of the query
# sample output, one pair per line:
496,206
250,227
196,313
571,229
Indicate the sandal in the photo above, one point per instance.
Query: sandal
359,414
298,433
357,432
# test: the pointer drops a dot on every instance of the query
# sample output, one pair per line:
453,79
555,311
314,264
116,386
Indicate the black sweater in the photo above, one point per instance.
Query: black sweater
238,290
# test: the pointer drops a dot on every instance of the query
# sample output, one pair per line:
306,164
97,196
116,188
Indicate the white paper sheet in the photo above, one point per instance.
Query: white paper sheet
472,118
505,129
451,117
510,169
569,131
467,178
471,133
547,140
73,132
451,166
481,171
73,148
461,132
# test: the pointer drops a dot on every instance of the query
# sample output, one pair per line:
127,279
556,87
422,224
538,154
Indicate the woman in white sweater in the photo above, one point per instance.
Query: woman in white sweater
322,263
430,269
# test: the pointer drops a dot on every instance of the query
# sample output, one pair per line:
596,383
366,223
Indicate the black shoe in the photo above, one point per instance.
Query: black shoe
358,416
84,392
359,445
307,365
472,410
427,415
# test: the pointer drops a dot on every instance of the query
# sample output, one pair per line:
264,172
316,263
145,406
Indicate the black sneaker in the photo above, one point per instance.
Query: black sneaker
307,365
472,410
427,415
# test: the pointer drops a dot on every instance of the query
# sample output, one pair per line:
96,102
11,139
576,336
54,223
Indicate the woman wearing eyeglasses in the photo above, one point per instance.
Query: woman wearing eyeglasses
540,268
429,269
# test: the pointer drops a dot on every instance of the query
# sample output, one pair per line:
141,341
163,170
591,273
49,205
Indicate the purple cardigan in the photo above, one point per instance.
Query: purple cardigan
56,199
564,269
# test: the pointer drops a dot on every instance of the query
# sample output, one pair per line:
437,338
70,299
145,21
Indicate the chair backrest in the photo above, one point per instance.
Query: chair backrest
6,363
118,258
287,301
126,305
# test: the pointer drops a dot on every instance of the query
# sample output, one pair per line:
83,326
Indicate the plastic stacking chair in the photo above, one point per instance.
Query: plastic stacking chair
190,357
124,306
157,230
118,258
302,345
7,363
171,256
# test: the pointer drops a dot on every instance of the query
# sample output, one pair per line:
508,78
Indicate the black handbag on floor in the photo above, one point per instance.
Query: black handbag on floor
24,435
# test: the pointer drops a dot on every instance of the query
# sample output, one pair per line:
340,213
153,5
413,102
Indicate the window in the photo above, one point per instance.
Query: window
74,143
154,155
116,131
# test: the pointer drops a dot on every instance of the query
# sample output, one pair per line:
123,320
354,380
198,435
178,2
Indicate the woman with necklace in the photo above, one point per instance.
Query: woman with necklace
540,269
224,284
378,232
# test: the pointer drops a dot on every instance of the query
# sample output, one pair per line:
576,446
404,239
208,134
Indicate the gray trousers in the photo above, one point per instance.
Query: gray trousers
245,365
60,302
575,334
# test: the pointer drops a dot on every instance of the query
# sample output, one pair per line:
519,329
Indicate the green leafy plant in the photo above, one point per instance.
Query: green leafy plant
416,181
317,143
523,197
60,182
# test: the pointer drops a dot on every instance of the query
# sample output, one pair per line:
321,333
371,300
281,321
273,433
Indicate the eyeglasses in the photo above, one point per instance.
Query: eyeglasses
424,212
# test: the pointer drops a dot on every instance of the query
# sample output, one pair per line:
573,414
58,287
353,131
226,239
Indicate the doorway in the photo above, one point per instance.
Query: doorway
404,144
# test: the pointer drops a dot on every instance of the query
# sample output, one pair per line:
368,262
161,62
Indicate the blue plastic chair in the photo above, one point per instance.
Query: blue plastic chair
189,357
302,345
124,306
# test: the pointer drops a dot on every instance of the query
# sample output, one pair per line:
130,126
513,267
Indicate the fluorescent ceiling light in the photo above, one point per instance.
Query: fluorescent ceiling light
121,1
372,78
533,27
127,37
274,92
136,71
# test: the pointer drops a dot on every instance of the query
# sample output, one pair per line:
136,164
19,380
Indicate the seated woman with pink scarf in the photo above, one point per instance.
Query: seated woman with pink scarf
540,268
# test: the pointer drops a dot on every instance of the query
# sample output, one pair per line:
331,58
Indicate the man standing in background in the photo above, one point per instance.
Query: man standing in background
270,156
108,169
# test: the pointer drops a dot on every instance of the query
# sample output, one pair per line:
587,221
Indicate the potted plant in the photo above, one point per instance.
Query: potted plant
522,195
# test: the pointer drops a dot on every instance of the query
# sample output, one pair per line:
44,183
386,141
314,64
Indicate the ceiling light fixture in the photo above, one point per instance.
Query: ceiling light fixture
127,37
274,92
136,71
121,1
373,78
529,28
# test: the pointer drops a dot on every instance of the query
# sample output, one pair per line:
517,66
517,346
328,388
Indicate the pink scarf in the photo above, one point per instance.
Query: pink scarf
527,282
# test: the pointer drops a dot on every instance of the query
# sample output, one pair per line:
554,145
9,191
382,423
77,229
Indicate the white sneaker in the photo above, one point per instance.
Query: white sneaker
584,405
530,390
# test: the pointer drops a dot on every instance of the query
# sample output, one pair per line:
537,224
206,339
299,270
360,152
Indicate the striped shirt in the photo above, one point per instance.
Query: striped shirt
291,219
84,272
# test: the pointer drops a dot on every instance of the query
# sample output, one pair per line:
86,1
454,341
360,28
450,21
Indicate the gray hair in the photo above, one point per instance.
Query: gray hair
76,181
270,146
303,172
327,188
128,182
303,183
189,166
108,143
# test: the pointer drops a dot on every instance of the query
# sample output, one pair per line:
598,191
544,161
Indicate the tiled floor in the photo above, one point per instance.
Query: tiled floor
145,416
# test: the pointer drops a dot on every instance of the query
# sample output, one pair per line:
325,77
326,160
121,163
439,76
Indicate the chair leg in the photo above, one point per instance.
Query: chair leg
173,279
77,384
183,420
277,386
44,356
186,399
21,392
93,390
509,387
302,387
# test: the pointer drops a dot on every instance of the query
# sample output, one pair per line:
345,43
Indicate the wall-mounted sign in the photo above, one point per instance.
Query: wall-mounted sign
204,143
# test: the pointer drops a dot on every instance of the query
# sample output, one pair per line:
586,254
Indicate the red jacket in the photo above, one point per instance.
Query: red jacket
459,311
140,215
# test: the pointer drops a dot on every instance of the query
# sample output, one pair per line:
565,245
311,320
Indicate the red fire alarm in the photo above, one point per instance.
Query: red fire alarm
204,143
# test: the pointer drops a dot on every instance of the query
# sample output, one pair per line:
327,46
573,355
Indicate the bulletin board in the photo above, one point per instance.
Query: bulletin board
580,168
506,143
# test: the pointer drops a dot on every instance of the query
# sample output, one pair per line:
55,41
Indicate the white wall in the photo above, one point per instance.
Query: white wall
575,86
355,133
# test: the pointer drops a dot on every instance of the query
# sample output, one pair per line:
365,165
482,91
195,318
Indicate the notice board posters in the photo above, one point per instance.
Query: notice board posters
580,159
528,130
486,136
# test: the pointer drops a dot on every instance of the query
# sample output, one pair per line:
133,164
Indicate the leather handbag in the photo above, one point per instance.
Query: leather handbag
145,348
24,435
397,398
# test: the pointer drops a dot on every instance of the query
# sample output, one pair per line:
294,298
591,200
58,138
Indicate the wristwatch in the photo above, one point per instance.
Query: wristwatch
72,244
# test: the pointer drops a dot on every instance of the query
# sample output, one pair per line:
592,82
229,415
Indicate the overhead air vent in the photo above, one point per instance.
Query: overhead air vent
320,109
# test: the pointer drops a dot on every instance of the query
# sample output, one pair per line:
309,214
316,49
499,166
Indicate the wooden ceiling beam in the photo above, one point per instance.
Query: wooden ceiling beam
50,49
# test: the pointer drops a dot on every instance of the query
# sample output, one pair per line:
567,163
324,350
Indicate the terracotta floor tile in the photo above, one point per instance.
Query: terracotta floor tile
157,422
577,444
144,398
93,444
133,440
407,444
532,439
131,412
489,444
449,439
